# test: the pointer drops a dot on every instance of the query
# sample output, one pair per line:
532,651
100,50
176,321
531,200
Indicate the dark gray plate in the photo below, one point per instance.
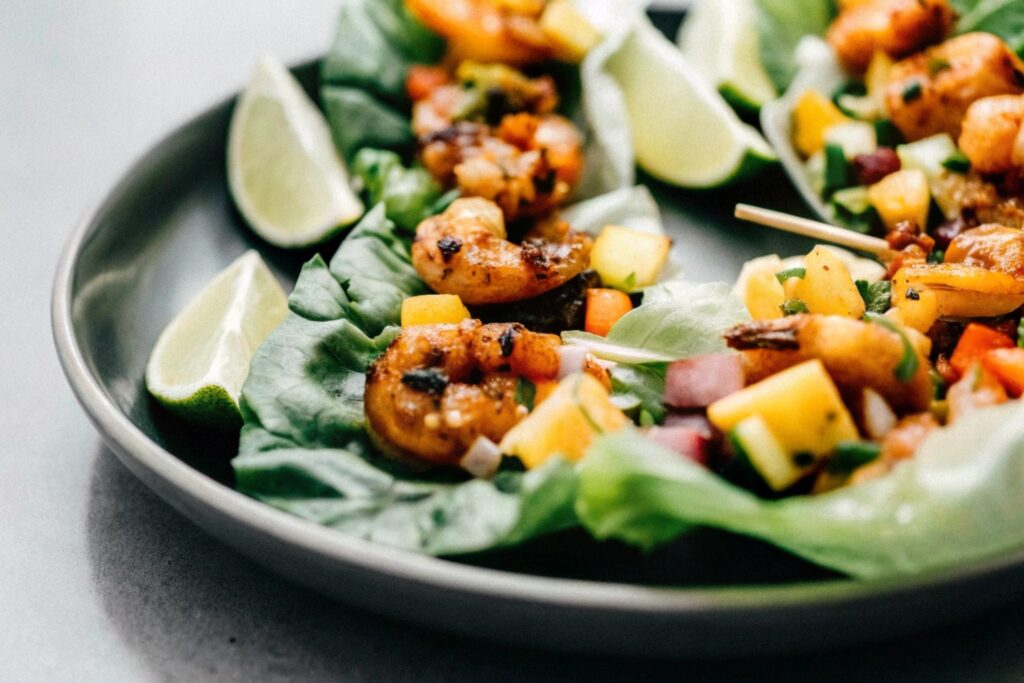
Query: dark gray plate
169,226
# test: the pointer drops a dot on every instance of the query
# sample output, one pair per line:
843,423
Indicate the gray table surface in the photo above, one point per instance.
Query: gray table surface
99,580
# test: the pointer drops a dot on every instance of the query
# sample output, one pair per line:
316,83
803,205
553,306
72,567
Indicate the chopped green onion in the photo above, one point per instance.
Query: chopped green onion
526,393
937,256
887,133
957,163
849,455
908,365
912,92
837,168
793,306
784,275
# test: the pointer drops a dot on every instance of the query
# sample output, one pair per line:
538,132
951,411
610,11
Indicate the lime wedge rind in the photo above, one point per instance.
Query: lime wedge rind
683,131
722,41
201,360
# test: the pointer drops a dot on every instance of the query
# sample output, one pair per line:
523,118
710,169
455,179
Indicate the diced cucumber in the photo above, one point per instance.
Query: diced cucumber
852,208
928,155
855,137
837,169
779,468
859,107
853,200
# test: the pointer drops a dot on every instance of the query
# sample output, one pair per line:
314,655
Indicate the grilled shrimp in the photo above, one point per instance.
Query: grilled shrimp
438,388
930,92
898,27
993,247
857,354
528,166
483,93
465,251
505,31
972,196
493,136
993,134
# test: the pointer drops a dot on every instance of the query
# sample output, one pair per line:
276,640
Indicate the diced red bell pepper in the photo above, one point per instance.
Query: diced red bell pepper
976,341
1008,367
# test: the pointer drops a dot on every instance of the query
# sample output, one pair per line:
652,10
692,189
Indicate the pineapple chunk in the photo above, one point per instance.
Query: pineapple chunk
565,423
800,405
759,289
877,79
629,260
571,33
827,287
813,116
433,309
902,196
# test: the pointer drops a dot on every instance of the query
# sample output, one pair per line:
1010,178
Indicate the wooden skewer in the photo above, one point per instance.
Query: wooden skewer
815,229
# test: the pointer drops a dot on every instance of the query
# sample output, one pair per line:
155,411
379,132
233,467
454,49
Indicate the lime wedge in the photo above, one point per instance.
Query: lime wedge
202,358
285,175
721,40
683,131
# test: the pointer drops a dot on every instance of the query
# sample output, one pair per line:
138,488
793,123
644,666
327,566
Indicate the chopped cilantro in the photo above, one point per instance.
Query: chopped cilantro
877,295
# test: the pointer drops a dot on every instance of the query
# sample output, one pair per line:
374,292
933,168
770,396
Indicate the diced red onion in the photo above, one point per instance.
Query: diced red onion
700,381
696,421
878,417
482,459
686,441
571,359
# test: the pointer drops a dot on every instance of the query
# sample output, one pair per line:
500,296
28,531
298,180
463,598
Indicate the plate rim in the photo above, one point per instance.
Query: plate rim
132,446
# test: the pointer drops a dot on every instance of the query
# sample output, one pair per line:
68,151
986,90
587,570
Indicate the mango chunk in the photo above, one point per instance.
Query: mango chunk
629,260
800,405
813,115
433,309
902,196
826,287
565,423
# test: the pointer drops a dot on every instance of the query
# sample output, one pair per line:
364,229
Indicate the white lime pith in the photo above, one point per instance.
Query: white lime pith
286,176
722,42
683,131
202,357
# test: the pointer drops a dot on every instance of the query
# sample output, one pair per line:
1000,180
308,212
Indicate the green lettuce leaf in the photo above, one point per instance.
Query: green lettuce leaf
305,448
1004,18
363,75
959,500
375,269
640,389
409,194
379,501
676,320
782,23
